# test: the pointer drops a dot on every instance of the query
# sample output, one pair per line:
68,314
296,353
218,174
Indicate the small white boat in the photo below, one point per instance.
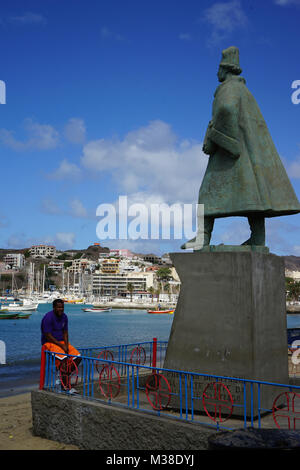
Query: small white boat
15,307
96,310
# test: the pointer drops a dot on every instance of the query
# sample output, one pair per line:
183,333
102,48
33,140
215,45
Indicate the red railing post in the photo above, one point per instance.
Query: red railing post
154,353
43,368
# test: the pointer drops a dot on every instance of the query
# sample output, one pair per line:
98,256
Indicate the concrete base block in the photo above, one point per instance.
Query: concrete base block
230,318
95,426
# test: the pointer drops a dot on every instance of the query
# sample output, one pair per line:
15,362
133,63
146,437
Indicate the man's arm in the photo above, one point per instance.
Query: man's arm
224,130
50,339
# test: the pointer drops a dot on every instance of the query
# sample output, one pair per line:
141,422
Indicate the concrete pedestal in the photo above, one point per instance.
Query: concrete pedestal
230,319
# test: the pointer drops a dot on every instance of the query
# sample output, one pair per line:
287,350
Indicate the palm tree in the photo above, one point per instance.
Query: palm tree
163,275
130,288
157,292
168,290
151,291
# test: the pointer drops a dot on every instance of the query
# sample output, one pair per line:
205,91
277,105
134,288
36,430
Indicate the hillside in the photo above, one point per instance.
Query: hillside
292,263
93,251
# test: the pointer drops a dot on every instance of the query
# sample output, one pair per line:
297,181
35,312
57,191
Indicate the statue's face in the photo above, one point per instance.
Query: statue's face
221,73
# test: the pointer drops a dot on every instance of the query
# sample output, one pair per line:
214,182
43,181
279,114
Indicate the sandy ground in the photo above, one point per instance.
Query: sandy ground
16,427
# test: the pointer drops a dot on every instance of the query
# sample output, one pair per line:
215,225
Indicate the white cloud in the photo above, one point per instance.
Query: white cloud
28,18
231,231
185,36
224,17
150,160
78,209
50,207
283,3
66,170
293,168
75,130
64,240
280,232
108,34
74,209
40,137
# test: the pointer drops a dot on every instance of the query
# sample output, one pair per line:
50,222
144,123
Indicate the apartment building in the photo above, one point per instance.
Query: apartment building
80,265
121,253
56,265
115,284
14,260
293,274
42,251
110,266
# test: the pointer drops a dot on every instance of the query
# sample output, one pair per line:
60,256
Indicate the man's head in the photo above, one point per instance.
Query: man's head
58,307
230,63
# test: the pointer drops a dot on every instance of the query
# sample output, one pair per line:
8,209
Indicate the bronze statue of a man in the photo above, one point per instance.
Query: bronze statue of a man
244,175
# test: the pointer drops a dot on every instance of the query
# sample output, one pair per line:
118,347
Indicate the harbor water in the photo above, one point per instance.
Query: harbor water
86,329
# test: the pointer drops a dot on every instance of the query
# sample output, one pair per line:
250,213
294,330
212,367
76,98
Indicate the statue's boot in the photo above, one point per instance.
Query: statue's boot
200,240
258,232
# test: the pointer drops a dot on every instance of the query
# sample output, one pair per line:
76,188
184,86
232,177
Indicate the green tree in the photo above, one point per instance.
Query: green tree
130,288
168,290
63,256
163,274
157,292
67,264
151,291
292,289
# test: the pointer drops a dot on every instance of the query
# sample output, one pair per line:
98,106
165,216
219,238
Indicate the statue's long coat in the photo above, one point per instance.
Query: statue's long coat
244,173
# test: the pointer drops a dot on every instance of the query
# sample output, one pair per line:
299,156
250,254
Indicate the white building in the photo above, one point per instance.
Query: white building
56,265
121,252
127,266
293,274
80,265
115,284
42,251
14,260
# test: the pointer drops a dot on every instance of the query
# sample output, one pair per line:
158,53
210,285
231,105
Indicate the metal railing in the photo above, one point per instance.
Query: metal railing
141,353
141,383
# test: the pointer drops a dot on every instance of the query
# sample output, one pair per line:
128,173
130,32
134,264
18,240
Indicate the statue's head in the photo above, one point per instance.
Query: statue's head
230,63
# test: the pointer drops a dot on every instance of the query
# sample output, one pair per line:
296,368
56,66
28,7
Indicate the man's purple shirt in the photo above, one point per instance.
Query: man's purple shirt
55,325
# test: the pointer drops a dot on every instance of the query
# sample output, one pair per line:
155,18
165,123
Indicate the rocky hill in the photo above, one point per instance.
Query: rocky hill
292,263
93,251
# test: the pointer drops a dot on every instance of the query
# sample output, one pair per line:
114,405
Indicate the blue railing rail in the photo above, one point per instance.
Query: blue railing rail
212,400
141,352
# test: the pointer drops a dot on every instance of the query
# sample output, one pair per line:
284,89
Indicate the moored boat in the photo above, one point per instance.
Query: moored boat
23,316
14,306
161,311
73,301
96,309
8,315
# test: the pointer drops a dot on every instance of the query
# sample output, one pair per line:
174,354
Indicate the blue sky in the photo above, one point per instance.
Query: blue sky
113,98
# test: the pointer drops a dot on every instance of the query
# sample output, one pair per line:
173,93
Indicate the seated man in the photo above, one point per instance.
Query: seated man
55,336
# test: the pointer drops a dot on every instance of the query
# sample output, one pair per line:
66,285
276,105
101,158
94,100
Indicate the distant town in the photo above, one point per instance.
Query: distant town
95,274
98,274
